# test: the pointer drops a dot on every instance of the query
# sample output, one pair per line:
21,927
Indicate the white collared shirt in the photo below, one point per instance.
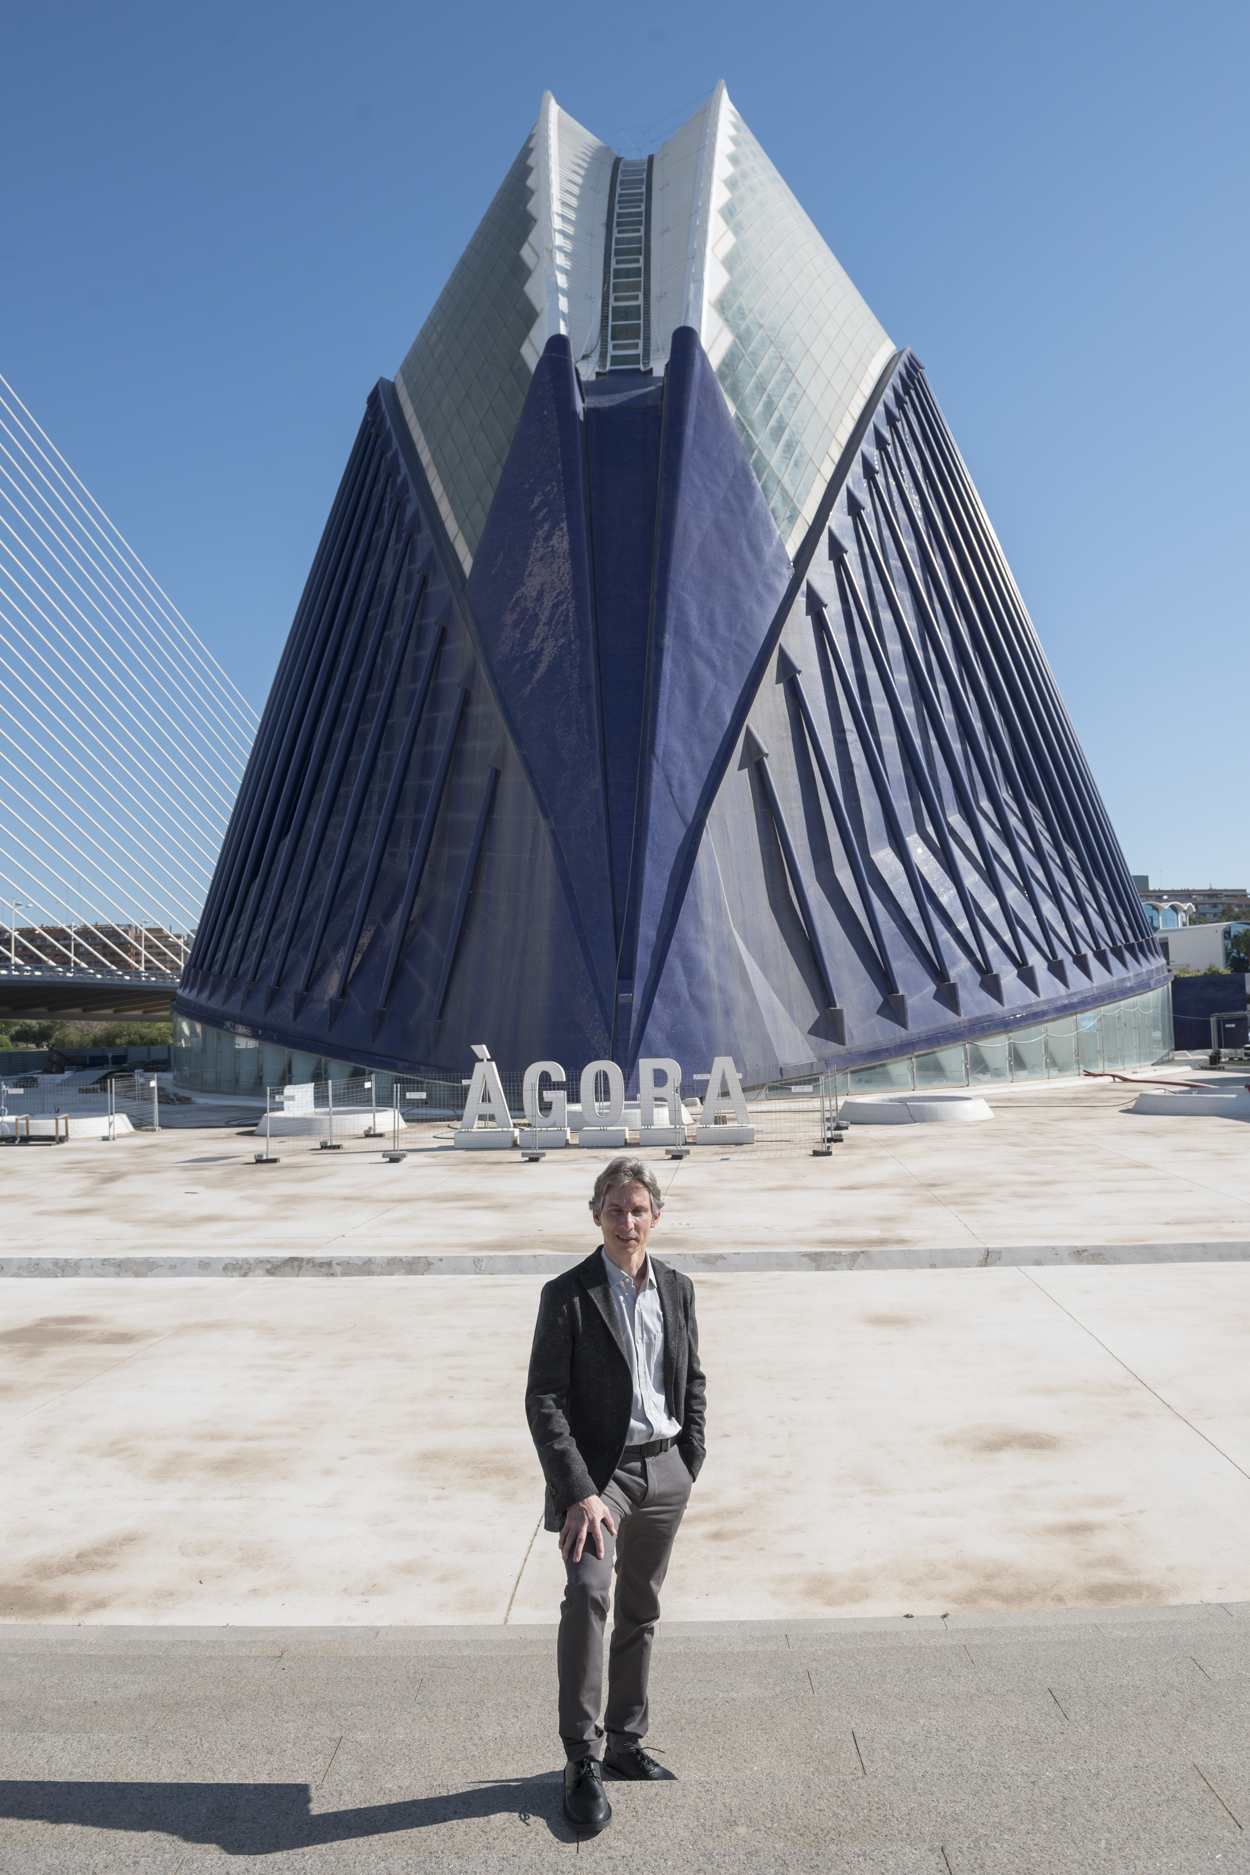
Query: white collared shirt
641,1325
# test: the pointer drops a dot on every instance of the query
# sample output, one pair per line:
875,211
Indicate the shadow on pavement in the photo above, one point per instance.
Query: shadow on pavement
261,1819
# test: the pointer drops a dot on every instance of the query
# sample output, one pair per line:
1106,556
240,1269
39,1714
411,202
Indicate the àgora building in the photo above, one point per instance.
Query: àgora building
660,686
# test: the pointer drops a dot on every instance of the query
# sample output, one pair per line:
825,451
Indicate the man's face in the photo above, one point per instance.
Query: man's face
626,1220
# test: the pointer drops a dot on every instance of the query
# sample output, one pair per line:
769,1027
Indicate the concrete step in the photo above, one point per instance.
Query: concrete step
1078,1741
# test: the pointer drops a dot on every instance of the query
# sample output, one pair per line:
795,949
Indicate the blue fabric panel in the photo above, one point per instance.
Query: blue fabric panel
741,972
531,595
623,414
720,574
518,977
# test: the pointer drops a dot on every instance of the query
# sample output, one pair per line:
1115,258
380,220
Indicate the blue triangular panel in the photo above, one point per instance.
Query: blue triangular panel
720,574
531,595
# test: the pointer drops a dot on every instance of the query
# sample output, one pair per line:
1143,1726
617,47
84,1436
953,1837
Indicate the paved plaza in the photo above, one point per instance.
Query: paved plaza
1063,1166
963,1586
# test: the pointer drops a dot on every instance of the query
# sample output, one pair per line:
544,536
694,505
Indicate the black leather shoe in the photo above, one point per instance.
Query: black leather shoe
585,1800
633,1761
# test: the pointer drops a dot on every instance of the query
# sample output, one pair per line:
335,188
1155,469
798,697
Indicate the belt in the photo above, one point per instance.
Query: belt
648,1451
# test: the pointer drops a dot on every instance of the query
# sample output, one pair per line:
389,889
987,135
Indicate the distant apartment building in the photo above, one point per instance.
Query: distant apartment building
1169,914
1171,908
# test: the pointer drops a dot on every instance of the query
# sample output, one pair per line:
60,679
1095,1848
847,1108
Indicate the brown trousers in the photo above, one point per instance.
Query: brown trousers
647,1497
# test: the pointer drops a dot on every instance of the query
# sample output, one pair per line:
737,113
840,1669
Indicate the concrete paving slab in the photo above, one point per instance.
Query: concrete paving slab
267,1451
1148,1841
953,1752
1228,1774
67,1851
88,1639
756,1854
161,1754
134,1675
1202,1713
940,1793
848,1678
1121,1661
528,1853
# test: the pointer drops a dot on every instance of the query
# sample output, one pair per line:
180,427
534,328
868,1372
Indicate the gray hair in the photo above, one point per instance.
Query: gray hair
626,1172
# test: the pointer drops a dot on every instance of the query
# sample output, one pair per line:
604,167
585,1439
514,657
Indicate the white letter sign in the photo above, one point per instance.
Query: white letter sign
544,1130
724,1094
487,1101
602,1125
557,1112
659,1084
602,1119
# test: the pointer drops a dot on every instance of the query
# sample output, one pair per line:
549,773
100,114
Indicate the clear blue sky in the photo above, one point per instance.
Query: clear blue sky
222,224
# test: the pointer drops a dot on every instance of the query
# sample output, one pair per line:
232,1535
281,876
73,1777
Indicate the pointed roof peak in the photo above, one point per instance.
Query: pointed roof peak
720,211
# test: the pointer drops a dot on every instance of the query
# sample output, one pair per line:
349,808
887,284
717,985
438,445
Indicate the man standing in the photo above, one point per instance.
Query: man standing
615,1402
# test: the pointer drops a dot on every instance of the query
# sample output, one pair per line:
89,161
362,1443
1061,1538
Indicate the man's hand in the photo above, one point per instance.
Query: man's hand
587,1516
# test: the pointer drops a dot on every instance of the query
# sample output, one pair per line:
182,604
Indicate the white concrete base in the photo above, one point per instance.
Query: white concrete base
542,1138
609,1138
724,1136
349,1123
915,1109
662,1136
64,1126
631,1114
1230,1106
484,1138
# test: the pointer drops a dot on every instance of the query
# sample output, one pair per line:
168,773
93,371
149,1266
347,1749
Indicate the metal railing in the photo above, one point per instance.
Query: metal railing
146,1099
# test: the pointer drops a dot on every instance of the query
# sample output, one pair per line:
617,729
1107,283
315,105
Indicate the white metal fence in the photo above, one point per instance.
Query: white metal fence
147,1099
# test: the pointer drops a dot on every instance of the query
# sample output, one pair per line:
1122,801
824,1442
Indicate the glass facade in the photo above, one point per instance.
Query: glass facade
805,350
464,380
1128,1034
221,1061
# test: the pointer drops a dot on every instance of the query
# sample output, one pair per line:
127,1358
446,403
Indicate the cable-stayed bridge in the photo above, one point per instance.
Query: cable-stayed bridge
122,745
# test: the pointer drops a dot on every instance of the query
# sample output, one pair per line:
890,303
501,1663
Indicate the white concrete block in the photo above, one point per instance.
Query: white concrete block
64,1126
485,1138
602,1136
724,1136
542,1138
915,1109
349,1123
1230,1106
631,1114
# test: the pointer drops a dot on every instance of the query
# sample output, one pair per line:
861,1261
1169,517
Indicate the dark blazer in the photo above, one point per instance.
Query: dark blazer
580,1385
